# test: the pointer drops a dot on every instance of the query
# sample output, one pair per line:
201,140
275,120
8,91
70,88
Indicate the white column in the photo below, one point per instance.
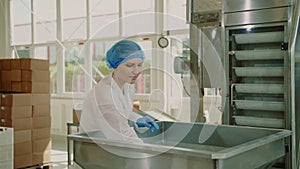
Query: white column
4,30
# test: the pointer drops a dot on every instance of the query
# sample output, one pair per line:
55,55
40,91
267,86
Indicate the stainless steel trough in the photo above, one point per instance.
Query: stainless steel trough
183,146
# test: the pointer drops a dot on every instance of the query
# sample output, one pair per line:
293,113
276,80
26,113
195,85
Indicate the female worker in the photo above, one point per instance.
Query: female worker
109,105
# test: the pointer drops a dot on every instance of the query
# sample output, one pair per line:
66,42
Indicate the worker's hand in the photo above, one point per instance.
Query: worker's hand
147,121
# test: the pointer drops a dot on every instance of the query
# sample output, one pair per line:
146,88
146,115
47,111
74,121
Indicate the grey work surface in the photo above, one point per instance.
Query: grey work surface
183,145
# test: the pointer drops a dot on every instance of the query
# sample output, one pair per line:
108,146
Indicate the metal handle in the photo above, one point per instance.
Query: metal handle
231,94
189,10
231,53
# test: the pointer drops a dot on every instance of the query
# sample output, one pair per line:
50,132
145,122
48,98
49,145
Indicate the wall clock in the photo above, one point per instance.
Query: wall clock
163,42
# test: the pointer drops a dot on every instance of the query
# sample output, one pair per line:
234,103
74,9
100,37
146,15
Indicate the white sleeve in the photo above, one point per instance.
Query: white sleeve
89,120
133,116
99,113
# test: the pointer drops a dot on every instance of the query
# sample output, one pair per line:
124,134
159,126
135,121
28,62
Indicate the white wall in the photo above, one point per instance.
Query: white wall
61,114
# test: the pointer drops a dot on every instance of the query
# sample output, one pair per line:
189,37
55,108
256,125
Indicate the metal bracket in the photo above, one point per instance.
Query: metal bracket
287,148
206,17
231,95
284,46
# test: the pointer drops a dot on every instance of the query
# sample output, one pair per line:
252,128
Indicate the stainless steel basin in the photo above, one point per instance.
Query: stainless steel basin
183,146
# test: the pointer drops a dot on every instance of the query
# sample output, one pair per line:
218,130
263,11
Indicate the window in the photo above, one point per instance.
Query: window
21,22
45,21
74,68
136,6
74,19
99,66
21,52
104,18
75,35
79,55
143,85
49,53
138,18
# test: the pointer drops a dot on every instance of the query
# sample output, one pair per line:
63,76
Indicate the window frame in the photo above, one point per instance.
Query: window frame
60,43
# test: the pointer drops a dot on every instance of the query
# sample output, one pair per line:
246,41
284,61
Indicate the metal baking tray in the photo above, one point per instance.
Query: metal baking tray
253,38
259,88
259,105
259,71
259,121
259,54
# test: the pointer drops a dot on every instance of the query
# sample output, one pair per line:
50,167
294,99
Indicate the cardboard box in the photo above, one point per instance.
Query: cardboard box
41,145
41,133
21,124
5,75
41,110
15,112
41,157
5,114
16,86
5,64
30,87
15,75
5,122
35,76
22,136
76,116
16,99
6,86
41,122
23,148
41,99
22,161
36,87
15,64
34,64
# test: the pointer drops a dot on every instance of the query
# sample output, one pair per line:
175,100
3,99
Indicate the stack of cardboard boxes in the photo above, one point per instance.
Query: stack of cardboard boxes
25,106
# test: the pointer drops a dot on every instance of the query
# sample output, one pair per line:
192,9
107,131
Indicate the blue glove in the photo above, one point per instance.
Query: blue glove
147,121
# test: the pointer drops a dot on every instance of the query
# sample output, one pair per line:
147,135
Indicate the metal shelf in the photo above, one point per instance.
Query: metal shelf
253,38
259,88
272,54
259,71
259,105
259,121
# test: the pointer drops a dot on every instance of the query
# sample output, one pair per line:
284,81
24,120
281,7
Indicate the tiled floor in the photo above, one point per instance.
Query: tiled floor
59,155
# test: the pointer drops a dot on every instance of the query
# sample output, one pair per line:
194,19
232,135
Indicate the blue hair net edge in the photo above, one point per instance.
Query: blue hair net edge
137,54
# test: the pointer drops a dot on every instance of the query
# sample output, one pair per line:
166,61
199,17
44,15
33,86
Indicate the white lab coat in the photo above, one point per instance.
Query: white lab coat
106,108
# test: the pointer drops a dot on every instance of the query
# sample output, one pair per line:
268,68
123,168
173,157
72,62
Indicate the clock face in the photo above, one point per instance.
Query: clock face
163,42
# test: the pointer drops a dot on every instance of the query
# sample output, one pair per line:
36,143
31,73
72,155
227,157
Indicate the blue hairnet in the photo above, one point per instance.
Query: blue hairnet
123,51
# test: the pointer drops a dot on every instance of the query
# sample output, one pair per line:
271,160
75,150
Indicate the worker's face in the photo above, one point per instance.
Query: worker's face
129,71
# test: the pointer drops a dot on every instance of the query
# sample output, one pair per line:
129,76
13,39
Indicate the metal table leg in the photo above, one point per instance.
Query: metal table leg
69,127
